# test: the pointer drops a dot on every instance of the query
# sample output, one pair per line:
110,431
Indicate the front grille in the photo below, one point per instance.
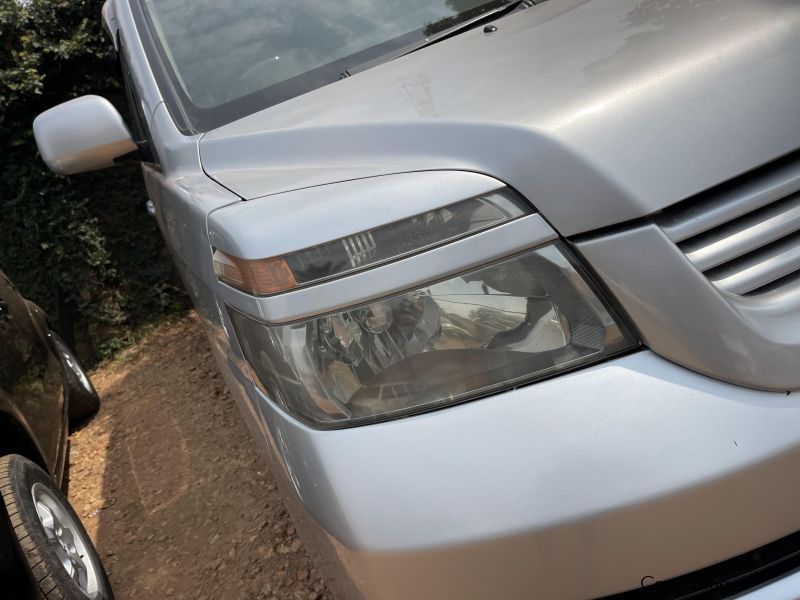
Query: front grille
745,234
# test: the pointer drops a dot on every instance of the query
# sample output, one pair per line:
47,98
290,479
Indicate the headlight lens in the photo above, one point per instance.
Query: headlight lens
262,277
517,320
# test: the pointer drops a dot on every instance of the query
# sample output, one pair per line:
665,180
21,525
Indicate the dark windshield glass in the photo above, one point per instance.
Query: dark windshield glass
227,58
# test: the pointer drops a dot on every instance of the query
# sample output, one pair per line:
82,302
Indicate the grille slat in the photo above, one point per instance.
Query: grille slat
732,240
760,268
732,200
743,235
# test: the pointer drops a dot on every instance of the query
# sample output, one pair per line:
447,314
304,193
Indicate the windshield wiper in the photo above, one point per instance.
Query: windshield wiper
442,32
439,31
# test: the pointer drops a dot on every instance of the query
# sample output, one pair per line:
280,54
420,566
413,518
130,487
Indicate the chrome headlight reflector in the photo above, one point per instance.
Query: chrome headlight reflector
512,322
366,249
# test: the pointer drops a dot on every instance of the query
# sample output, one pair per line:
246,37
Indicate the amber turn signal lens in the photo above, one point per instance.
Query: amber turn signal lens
260,277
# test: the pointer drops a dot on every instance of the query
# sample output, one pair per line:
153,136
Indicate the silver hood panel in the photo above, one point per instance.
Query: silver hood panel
598,111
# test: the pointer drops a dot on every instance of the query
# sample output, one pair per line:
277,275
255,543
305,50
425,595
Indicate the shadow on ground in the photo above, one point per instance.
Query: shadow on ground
172,489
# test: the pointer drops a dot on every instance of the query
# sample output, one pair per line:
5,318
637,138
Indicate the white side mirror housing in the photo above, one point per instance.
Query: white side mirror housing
84,134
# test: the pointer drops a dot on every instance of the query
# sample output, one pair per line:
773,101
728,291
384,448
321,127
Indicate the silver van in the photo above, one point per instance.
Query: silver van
508,291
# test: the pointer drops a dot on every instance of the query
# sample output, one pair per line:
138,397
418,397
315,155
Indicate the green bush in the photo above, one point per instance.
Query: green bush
84,248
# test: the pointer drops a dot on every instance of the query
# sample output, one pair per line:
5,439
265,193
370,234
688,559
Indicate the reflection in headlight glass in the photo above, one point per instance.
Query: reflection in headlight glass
520,319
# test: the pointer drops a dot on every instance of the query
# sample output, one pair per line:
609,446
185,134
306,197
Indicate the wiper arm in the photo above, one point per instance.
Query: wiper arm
470,24
444,34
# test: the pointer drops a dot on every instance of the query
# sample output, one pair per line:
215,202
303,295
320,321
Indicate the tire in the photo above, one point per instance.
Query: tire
82,399
49,535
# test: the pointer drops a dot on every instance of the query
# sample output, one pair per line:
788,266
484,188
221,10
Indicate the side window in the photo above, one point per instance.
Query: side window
139,128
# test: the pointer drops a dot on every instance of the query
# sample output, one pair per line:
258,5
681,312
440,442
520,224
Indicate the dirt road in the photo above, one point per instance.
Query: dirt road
171,487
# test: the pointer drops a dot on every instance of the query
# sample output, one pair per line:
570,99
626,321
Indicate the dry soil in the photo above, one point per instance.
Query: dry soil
173,490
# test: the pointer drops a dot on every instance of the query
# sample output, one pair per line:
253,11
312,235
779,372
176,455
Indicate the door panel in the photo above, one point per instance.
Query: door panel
31,377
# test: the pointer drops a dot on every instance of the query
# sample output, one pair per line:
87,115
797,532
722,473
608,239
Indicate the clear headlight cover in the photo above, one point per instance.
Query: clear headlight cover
520,319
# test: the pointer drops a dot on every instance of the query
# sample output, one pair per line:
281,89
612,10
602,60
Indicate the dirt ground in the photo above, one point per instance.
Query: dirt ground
171,488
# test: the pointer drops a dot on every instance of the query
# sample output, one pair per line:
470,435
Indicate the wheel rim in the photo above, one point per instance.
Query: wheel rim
72,363
68,541
82,378
74,366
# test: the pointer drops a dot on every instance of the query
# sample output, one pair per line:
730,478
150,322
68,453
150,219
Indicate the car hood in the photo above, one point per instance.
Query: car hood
598,111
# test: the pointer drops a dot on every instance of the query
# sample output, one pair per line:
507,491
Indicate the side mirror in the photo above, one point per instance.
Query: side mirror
81,135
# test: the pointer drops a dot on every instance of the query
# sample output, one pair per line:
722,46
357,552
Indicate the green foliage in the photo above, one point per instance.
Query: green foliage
86,238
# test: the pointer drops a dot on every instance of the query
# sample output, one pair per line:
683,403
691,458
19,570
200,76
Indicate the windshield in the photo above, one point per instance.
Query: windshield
228,58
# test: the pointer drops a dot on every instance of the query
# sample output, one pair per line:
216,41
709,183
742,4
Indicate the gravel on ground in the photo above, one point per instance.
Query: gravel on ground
171,487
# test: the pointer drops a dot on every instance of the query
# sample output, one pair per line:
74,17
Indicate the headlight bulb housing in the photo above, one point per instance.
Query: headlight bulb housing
509,323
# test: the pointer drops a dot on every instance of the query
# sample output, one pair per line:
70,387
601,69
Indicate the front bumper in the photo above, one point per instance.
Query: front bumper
784,588
576,487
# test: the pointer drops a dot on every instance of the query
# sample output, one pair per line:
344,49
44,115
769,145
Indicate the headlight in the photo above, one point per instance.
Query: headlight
262,277
512,322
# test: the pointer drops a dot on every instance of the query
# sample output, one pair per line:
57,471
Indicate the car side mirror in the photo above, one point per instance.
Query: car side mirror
84,134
